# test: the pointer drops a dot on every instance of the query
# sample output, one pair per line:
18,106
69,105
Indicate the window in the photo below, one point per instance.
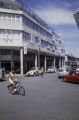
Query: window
26,36
17,18
4,17
36,27
0,16
9,17
32,39
56,48
4,34
36,40
46,44
5,52
9,35
16,52
13,18
1,34
59,42
17,33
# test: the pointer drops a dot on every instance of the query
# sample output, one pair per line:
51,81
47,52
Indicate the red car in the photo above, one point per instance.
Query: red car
73,77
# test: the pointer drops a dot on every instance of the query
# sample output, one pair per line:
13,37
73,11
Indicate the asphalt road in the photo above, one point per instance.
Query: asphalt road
47,98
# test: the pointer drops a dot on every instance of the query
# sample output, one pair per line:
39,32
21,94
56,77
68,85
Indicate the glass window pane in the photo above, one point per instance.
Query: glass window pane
9,17
17,18
4,17
0,16
13,18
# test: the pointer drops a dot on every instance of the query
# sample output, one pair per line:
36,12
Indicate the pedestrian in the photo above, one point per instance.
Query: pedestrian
3,72
42,71
37,73
12,79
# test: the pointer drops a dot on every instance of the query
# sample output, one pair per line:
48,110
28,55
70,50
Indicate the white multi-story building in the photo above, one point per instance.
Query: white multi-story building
26,40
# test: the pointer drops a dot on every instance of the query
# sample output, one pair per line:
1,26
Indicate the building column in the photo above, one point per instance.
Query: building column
21,60
54,62
59,62
45,63
39,57
36,61
63,61
0,57
12,63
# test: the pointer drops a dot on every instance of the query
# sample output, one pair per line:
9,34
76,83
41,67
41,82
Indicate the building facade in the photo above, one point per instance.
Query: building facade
71,60
26,41
76,16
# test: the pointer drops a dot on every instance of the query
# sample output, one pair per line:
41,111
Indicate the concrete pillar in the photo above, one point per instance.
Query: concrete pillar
63,61
12,63
39,57
36,61
21,60
0,59
45,63
59,62
54,62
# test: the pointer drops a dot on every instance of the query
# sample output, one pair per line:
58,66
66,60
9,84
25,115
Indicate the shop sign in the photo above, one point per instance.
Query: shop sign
25,48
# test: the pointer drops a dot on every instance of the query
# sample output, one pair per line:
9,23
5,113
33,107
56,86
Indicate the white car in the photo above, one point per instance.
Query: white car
33,72
77,69
62,71
51,70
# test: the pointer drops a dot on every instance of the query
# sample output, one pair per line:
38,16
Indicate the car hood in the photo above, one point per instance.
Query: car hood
50,69
31,71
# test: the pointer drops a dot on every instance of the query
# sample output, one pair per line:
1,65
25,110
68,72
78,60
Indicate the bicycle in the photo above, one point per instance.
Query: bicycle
17,90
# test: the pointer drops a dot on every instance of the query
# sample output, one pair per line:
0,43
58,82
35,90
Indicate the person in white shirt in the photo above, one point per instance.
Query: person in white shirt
11,78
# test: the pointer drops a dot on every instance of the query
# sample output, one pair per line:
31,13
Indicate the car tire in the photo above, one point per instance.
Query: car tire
34,74
59,77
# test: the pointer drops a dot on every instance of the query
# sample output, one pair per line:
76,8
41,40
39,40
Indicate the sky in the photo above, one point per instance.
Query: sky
59,15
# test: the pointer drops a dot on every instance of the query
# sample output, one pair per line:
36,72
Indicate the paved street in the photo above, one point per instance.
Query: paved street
47,98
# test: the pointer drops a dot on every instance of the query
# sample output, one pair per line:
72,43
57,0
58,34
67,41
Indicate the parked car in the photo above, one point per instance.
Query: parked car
34,72
73,76
77,69
51,69
62,71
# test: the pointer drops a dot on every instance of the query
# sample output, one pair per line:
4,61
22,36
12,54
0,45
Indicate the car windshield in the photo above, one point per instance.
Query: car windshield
50,67
64,67
61,70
